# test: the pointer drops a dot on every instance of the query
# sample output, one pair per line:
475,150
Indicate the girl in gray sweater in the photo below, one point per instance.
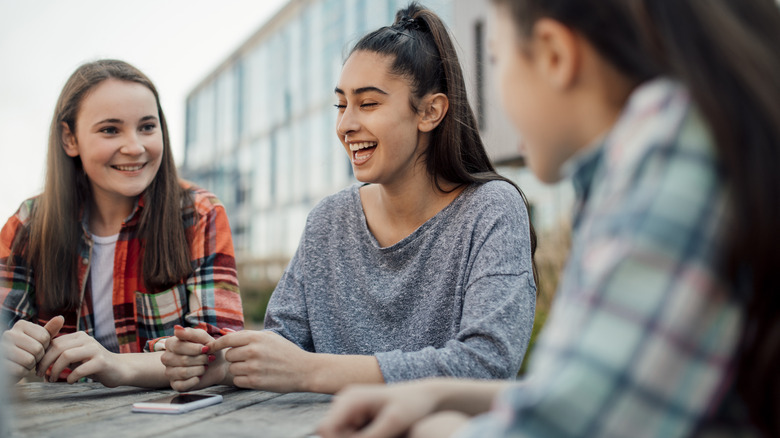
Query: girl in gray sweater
423,269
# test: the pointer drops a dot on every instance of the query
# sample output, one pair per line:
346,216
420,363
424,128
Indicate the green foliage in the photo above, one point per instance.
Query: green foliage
539,320
255,302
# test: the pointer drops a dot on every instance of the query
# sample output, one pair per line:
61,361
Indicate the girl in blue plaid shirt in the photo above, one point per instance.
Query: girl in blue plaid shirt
666,116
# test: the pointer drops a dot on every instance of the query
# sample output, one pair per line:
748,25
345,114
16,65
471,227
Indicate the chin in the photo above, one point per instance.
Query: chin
545,175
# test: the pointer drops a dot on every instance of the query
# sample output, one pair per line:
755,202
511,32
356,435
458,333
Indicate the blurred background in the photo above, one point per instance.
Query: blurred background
247,87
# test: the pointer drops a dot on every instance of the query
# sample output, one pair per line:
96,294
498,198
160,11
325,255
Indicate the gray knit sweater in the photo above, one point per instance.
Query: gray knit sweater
454,298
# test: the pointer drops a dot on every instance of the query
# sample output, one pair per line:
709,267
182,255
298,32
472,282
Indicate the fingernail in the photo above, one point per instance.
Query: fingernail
212,357
228,330
205,349
177,326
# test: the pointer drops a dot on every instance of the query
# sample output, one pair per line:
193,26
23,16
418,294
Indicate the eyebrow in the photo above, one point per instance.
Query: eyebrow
119,121
361,90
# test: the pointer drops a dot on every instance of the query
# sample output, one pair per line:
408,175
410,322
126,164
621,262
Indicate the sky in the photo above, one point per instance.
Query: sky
174,42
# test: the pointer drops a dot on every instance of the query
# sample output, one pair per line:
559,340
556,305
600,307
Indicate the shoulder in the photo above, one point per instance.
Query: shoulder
492,198
337,204
16,224
484,209
24,213
496,191
203,200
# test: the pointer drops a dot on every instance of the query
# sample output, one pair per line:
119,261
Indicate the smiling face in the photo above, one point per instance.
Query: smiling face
376,123
119,140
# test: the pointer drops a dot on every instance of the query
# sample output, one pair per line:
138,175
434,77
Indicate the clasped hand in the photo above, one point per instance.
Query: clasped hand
247,359
29,347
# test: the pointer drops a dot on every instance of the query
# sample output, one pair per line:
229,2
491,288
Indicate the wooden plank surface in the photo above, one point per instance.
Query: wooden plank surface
89,409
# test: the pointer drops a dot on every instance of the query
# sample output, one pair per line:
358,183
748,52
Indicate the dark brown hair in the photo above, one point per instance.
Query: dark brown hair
423,53
51,241
725,51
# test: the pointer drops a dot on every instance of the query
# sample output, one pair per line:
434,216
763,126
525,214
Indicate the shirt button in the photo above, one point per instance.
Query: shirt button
84,261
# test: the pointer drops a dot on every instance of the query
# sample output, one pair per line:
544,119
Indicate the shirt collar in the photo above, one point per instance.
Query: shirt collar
647,97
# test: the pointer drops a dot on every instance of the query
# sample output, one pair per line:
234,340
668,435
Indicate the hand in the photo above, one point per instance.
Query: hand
25,345
85,357
379,411
188,364
265,360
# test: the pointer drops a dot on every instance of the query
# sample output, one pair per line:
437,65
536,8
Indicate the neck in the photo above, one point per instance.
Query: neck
601,103
106,215
393,211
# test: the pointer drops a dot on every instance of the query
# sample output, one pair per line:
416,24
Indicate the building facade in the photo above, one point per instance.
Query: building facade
260,129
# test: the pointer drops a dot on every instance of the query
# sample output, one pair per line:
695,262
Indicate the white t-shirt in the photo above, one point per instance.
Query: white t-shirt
102,282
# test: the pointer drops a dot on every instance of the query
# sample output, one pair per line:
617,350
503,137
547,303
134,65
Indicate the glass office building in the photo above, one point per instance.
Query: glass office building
260,129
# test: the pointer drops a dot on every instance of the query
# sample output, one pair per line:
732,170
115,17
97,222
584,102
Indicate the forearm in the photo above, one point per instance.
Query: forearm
471,397
142,369
332,372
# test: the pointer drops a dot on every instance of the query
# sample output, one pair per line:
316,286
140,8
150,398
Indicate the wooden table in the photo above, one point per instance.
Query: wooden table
90,409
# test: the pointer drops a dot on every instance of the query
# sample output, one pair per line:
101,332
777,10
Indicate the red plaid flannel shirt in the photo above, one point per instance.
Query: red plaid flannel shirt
208,298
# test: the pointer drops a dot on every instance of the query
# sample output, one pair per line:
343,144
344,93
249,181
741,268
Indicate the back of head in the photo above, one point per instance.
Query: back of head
725,52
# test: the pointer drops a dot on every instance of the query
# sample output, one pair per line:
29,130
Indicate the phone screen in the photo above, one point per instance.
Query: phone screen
185,398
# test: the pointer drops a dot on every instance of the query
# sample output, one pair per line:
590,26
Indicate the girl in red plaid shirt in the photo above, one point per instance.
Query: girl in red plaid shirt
97,270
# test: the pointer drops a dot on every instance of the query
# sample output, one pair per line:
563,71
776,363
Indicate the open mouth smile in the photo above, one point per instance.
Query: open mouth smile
129,168
362,151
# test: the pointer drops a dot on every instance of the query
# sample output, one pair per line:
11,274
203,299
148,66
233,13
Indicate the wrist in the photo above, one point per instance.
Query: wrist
127,374
227,379
314,377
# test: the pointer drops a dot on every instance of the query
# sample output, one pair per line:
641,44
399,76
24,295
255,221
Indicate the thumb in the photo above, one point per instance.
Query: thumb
54,326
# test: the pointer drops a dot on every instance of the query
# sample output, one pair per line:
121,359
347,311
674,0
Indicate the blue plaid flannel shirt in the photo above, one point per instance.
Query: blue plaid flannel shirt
641,339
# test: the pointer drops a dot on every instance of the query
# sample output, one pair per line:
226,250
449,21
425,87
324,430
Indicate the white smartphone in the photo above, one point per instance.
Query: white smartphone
177,403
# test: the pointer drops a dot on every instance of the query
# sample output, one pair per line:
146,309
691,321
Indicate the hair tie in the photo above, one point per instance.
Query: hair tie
408,23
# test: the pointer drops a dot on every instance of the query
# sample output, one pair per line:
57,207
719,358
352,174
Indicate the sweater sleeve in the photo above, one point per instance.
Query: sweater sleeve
287,312
498,307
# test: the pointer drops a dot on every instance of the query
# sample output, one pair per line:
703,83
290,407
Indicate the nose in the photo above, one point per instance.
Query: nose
347,122
133,145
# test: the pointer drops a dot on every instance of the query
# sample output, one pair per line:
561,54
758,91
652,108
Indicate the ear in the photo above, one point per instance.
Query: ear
557,53
69,143
434,108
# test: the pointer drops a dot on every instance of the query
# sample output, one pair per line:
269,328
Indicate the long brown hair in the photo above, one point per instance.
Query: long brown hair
50,243
423,52
725,51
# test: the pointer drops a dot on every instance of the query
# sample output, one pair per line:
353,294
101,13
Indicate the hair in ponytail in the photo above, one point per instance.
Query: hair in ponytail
725,51
423,53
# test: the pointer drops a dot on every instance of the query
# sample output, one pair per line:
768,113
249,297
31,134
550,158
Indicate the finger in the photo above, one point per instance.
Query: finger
60,345
15,370
389,421
21,357
80,370
185,348
70,358
248,382
185,373
233,340
53,327
34,331
23,348
174,359
345,417
196,335
184,385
